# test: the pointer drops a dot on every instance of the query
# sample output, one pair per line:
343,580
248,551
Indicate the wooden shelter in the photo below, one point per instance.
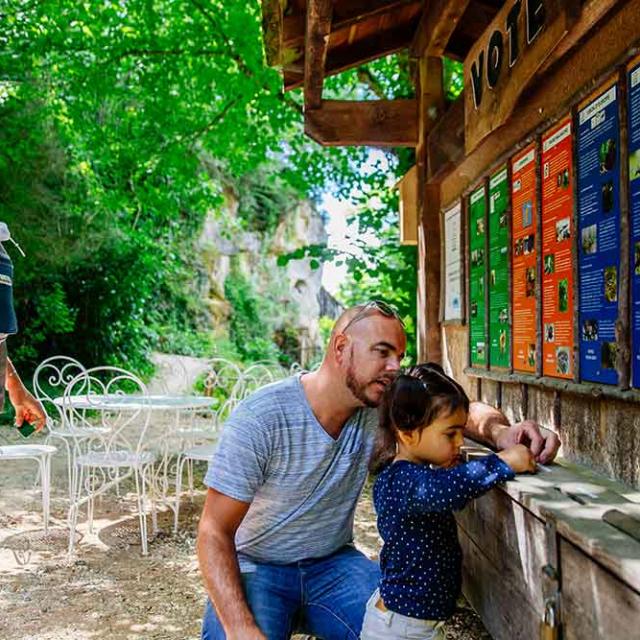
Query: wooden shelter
528,210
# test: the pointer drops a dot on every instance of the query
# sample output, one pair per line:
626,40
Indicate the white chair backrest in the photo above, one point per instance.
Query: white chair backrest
114,400
50,379
221,374
258,375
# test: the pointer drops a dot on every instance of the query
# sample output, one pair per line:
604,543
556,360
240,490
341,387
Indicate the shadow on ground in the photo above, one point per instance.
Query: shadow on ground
109,590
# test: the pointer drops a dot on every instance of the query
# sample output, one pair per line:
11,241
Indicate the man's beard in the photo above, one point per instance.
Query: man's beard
359,389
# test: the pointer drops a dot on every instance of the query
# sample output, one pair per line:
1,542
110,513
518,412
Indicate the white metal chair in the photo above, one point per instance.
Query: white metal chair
254,377
221,381
199,453
41,453
91,399
203,453
50,379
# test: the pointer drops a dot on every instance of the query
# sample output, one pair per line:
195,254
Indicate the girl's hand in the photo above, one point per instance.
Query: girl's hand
519,458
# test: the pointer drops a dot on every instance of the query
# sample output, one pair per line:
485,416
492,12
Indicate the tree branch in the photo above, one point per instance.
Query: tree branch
366,77
231,50
198,133
167,52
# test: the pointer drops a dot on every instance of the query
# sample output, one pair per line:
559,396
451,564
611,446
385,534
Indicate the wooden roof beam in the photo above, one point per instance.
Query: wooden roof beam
438,22
375,123
315,53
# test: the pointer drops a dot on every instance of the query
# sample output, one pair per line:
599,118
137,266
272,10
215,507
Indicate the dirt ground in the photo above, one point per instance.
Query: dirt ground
109,590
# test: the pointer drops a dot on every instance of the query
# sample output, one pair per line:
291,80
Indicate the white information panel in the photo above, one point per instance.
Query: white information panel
453,263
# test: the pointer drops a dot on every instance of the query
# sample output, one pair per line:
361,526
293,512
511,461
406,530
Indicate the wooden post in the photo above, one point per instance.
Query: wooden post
623,333
315,54
431,106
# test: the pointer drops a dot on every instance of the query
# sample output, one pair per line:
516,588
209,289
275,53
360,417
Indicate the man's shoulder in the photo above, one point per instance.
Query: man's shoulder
267,405
264,397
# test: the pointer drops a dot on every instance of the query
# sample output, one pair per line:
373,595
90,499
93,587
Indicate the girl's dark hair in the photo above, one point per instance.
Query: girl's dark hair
413,401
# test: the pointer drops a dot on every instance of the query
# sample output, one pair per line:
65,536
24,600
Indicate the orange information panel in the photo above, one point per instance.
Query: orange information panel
557,232
524,269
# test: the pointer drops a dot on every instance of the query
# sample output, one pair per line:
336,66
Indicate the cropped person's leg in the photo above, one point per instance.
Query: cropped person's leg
274,596
336,591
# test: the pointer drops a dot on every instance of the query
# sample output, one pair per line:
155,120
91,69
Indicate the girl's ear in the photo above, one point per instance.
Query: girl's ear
408,437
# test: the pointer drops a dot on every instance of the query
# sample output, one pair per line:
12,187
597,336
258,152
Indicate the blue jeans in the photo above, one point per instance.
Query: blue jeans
325,597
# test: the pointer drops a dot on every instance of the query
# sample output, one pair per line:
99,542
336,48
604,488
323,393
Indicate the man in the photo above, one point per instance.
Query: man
27,408
274,541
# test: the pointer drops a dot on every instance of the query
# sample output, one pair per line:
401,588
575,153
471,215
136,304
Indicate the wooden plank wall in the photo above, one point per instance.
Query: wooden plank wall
596,605
504,550
597,431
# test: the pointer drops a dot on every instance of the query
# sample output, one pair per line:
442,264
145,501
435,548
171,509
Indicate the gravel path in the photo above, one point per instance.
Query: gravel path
110,590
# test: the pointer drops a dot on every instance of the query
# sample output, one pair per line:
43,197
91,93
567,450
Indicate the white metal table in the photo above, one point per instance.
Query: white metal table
117,402
186,435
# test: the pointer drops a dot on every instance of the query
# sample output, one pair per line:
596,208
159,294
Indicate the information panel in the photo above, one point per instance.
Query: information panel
524,268
499,338
452,264
599,233
557,265
477,277
634,208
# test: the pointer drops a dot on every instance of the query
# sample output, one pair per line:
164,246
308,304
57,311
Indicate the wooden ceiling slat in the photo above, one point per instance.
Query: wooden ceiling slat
352,33
439,21
272,30
316,45
346,14
362,30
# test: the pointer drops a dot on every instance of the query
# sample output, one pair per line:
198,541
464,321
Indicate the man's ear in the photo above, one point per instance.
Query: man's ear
339,346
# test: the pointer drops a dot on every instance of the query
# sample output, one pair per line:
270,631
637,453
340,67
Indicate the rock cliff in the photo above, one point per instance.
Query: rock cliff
296,288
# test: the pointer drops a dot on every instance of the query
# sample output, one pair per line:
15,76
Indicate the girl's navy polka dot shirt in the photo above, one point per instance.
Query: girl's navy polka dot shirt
421,558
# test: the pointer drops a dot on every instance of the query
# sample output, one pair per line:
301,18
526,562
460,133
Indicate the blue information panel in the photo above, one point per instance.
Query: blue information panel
599,233
634,207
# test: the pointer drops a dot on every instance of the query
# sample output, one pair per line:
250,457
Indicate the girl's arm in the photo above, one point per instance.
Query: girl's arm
438,490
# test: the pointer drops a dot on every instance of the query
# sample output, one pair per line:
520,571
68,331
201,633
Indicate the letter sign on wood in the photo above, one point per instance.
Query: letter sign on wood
524,32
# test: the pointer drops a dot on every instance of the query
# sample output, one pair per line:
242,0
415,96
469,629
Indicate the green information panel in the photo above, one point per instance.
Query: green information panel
477,277
499,331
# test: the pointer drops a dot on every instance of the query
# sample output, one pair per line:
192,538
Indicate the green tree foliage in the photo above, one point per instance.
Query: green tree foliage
121,125
384,270
109,113
249,328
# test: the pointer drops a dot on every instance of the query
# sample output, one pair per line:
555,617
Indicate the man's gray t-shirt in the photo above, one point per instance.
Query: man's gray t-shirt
302,484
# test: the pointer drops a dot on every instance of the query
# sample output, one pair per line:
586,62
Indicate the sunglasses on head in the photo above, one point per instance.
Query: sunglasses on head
375,305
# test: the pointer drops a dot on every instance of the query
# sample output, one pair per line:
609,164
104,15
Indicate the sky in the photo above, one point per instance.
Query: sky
339,231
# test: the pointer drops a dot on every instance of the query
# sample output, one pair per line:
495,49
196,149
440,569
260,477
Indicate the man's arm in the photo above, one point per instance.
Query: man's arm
489,425
26,406
220,519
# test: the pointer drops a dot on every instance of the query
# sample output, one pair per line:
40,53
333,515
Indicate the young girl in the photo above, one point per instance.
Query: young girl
421,484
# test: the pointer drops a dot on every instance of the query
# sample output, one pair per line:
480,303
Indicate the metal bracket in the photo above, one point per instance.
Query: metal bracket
551,576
